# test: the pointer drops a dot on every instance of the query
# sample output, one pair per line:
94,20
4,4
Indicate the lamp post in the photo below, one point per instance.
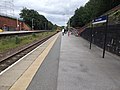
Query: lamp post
64,20
20,26
17,24
32,24
68,24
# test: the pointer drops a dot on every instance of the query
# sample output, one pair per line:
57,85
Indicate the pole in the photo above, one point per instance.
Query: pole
105,37
5,8
91,32
20,26
17,24
32,23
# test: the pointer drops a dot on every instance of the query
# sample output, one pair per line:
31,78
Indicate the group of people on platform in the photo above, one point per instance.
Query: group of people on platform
64,31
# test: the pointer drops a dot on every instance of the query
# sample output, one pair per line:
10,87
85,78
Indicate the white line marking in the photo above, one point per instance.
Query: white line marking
21,58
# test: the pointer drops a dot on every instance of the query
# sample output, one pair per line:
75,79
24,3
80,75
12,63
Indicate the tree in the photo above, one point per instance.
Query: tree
39,21
50,25
91,10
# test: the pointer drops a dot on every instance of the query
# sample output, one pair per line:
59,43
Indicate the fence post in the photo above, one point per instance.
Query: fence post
105,37
91,32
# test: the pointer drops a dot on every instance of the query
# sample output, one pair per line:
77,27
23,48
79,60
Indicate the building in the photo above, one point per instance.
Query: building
12,24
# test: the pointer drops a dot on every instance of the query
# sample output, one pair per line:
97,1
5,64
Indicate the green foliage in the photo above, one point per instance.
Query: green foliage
17,40
39,21
114,17
54,27
92,9
9,43
34,35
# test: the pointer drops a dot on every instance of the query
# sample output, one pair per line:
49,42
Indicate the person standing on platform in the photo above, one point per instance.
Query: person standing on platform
68,33
63,31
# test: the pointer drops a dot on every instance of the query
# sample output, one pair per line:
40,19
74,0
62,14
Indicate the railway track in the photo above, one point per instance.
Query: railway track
8,61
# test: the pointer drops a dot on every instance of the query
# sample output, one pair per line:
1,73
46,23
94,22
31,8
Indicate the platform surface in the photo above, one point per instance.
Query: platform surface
83,69
47,74
68,64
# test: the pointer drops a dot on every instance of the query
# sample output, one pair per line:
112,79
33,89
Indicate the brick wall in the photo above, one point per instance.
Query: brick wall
11,24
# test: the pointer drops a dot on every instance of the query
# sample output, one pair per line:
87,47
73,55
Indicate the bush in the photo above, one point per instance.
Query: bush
34,35
17,40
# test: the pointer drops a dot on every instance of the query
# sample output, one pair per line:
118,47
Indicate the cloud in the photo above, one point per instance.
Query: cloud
57,11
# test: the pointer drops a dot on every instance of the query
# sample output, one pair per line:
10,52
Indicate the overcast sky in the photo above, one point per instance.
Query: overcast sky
56,11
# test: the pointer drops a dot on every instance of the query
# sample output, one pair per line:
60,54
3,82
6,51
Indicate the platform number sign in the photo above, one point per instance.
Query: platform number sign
101,19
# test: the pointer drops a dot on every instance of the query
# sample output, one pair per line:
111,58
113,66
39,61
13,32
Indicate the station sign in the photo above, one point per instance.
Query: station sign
101,19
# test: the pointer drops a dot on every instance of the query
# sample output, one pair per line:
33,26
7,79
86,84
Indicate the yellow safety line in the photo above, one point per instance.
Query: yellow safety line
23,82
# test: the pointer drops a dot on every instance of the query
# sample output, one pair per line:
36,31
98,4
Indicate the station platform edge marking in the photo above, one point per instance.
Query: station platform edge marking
23,82
21,59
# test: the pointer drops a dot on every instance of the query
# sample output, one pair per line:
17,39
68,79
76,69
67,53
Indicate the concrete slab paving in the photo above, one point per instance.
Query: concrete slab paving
79,68
23,82
83,69
46,76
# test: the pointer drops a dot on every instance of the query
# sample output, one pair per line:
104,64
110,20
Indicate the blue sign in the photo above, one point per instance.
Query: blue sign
101,19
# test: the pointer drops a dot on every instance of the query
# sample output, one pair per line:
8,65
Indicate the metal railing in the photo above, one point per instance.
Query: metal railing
113,37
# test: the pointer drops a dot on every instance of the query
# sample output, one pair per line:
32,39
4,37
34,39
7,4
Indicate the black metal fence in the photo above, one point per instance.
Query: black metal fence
113,37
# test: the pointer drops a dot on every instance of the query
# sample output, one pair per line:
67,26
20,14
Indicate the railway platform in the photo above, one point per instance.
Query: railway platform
64,63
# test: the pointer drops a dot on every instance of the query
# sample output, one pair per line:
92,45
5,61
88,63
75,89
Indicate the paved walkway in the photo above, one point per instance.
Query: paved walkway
47,74
83,69
73,67
18,77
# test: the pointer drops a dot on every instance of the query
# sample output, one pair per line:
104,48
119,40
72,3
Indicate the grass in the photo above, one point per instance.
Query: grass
11,42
